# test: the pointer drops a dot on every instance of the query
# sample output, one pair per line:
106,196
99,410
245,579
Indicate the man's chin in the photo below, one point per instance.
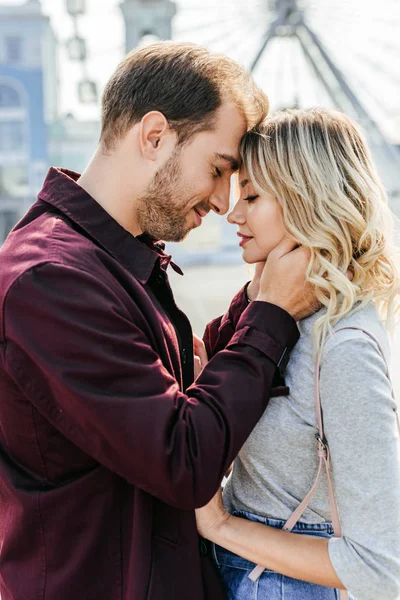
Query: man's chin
177,237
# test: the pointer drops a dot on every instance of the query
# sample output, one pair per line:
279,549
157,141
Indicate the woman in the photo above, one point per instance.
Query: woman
308,175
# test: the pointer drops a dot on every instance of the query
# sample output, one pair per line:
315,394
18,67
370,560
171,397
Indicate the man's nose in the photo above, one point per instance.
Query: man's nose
219,201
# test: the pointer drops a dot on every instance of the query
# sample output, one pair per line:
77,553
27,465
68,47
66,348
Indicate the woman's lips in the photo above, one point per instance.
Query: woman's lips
244,239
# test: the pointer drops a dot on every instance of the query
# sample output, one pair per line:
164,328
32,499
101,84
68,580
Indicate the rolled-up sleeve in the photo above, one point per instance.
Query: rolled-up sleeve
82,353
360,425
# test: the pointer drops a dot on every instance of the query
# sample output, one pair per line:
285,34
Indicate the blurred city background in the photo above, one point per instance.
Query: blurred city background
56,56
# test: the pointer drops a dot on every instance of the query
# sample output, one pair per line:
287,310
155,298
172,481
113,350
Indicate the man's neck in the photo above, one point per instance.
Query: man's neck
103,180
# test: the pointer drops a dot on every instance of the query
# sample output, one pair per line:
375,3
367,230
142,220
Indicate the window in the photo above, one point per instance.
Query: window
13,49
14,182
8,219
12,136
9,97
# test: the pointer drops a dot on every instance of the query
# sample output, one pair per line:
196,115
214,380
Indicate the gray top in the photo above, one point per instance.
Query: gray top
277,465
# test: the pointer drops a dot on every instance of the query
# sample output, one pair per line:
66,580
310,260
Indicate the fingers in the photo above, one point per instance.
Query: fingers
284,279
284,247
199,350
198,367
300,256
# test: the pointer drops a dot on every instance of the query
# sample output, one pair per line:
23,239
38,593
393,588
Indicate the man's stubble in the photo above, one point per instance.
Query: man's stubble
162,211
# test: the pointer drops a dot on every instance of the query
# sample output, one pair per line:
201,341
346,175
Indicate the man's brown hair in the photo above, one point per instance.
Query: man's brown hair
185,82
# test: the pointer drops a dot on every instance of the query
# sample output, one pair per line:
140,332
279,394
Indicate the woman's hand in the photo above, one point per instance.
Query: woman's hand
200,355
212,517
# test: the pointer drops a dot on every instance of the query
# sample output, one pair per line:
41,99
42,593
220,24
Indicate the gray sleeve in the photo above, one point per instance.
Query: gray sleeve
360,426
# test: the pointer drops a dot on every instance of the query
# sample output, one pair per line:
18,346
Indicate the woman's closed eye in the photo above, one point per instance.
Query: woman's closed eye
250,198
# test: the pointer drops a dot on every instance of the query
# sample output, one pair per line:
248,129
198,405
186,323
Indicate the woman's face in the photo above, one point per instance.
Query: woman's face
259,219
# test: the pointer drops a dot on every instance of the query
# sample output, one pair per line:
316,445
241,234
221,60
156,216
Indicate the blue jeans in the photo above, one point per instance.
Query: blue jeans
270,585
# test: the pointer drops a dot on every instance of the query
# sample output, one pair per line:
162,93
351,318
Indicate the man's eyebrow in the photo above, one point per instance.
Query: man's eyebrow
243,183
234,163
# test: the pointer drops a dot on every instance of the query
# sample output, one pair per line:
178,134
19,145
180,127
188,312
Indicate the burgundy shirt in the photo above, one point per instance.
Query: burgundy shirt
105,446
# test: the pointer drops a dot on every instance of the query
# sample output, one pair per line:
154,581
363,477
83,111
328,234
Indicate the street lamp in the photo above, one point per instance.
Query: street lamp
76,7
76,48
87,91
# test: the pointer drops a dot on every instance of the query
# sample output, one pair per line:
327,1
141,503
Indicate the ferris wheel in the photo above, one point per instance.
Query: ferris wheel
336,53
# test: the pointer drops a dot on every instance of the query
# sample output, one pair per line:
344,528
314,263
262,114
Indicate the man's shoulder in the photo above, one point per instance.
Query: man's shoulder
48,238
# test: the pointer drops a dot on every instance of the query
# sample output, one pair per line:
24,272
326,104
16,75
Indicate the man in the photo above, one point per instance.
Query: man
105,446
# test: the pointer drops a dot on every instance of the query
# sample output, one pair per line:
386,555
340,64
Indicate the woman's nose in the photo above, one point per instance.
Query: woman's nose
236,216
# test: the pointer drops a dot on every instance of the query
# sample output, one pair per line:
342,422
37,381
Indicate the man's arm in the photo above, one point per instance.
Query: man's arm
219,331
82,356
281,280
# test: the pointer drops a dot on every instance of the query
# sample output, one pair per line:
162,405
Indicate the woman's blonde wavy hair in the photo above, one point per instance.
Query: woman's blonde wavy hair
320,170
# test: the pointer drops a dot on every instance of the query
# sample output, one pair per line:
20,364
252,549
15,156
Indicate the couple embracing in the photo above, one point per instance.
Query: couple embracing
116,423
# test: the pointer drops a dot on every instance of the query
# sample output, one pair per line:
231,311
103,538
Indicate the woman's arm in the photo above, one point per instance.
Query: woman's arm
360,425
361,429
297,556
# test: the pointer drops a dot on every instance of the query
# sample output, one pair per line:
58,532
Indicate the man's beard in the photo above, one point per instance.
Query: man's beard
162,210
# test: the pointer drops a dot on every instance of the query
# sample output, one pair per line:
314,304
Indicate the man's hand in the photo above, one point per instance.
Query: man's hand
283,280
200,355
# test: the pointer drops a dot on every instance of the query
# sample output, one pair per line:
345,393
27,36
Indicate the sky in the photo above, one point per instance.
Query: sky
103,27
362,35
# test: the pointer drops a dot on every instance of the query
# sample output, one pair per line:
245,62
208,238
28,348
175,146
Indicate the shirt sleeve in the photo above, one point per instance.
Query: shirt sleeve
219,332
83,354
360,426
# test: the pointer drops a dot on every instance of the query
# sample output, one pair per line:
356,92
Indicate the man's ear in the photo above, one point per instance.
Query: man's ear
155,136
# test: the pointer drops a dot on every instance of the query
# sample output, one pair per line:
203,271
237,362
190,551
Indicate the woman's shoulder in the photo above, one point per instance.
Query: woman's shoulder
361,329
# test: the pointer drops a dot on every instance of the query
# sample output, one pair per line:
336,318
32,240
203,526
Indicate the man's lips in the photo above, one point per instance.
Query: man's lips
244,238
200,214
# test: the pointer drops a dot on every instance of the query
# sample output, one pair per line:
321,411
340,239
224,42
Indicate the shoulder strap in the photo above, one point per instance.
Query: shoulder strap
324,461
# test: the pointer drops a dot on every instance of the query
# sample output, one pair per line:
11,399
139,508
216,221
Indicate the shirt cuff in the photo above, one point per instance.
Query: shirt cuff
268,328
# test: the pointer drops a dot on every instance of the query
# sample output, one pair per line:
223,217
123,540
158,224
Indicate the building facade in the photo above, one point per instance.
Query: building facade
28,101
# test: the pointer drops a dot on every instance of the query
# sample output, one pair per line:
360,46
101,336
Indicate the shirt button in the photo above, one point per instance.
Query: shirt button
203,547
184,356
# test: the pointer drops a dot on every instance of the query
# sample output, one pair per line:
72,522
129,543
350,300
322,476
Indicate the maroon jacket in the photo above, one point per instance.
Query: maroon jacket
105,446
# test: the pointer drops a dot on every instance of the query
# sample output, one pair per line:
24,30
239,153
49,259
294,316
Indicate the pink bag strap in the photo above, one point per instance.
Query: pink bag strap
324,462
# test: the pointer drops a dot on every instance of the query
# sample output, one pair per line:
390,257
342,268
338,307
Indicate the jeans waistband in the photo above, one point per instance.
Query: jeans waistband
324,527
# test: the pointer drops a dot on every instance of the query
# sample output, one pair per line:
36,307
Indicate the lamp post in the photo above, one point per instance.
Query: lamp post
77,51
76,8
144,18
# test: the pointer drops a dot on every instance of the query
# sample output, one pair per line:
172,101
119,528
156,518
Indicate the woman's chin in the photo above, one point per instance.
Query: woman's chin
252,259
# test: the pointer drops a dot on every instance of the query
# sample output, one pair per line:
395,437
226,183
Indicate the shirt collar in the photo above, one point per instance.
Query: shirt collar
138,254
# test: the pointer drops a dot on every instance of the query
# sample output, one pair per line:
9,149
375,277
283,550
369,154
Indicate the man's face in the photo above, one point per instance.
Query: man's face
194,180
